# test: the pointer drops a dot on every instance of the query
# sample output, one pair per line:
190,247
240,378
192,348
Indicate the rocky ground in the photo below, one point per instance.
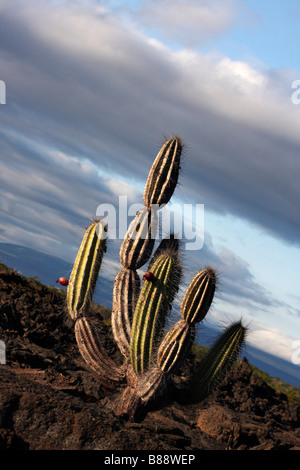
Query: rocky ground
50,400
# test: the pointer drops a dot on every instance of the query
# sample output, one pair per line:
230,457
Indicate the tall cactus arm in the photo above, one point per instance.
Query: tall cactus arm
152,308
125,294
86,269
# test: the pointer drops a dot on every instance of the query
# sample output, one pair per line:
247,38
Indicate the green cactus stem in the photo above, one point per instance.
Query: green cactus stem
163,175
152,308
218,361
86,269
195,305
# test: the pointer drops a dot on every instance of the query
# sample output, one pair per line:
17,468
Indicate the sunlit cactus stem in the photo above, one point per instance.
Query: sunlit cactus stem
163,176
195,305
199,296
86,269
152,309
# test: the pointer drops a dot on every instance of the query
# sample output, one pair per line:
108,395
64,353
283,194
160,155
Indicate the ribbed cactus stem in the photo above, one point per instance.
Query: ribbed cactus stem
152,308
139,240
199,296
196,303
175,346
217,362
125,295
150,384
163,175
86,269
90,346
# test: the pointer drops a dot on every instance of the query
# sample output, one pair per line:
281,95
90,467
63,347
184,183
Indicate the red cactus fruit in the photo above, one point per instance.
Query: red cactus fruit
63,281
148,276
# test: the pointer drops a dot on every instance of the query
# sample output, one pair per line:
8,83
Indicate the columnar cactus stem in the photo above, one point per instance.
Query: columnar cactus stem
175,346
199,296
150,384
139,240
163,176
152,308
91,349
86,269
178,341
125,295
195,305
214,366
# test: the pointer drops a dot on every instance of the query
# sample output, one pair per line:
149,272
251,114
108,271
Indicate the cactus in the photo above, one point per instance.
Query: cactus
86,269
218,360
139,314
152,308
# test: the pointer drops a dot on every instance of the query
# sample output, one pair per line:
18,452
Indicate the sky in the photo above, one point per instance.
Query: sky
92,90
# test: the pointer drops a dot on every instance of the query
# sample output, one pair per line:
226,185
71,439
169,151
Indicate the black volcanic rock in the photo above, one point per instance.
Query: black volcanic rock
50,400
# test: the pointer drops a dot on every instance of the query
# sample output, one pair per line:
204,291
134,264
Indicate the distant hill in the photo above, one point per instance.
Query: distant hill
48,269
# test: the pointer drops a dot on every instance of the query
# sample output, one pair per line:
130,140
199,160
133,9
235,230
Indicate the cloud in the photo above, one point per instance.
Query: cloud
97,95
47,197
190,22
236,282
273,340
